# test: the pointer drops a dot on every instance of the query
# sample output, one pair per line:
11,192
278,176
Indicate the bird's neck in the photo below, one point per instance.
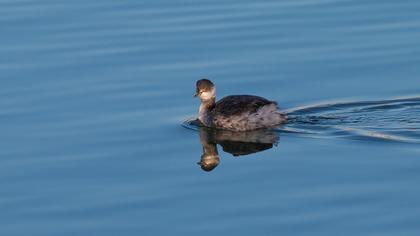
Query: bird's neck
208,142
205,111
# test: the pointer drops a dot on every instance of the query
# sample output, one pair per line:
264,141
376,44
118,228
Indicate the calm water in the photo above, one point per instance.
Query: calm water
94,94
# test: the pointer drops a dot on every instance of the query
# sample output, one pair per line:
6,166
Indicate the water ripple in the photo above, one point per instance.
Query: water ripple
393,120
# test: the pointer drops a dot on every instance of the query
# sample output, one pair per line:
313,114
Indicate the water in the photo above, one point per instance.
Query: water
94,93
387,120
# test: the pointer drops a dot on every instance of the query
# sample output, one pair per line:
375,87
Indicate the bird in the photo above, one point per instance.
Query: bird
236,112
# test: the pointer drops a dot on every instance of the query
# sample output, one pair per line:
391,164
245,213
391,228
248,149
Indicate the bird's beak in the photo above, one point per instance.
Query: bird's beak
195,95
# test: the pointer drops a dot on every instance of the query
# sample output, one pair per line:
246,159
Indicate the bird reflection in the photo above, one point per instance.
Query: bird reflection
235,143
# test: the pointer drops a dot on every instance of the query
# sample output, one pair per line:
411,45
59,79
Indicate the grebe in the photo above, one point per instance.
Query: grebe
236,112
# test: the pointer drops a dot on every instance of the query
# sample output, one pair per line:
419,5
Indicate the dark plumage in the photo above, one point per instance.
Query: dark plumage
238,104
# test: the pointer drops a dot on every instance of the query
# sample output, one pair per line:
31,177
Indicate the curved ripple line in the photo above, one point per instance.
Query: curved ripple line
306,109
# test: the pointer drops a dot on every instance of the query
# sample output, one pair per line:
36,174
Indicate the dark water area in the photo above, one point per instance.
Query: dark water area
95,95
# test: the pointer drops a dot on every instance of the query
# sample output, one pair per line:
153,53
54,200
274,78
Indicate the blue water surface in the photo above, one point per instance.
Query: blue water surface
94,94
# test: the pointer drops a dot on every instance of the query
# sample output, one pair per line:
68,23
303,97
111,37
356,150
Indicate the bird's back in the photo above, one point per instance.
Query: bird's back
239,104
245,112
